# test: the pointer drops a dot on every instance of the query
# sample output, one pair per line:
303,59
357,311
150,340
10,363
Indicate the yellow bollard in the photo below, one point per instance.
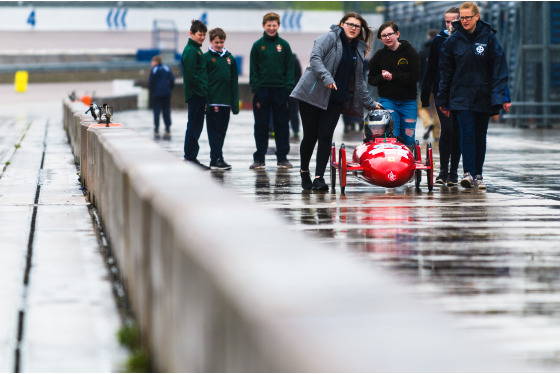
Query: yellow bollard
21,80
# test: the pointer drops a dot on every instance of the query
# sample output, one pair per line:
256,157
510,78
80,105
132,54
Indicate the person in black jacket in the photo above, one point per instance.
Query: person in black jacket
450,137
428,115
162,82
473,85
394,70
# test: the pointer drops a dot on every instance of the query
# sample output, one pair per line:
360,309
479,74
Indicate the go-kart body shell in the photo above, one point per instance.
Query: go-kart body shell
385,163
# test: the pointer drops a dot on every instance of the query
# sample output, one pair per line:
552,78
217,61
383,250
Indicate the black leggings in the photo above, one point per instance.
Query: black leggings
449,143
318,127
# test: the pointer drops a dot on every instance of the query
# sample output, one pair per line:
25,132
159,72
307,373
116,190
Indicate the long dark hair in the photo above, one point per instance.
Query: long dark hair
366,34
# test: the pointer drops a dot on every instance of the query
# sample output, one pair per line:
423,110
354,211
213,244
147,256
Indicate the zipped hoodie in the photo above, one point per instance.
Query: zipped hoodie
473,71
404,64
325,58
194,76
221,69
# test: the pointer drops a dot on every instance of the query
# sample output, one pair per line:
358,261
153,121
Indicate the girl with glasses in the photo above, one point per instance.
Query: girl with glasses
395,70
333,84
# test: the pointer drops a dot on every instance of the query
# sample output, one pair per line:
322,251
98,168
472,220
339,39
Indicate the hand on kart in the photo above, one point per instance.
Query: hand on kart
379,106
507,106
445,111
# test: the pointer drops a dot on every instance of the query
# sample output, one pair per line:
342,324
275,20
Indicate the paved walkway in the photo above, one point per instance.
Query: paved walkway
58,313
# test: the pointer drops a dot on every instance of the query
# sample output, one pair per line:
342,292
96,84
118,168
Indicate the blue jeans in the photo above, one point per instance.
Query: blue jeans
474,127
404,114
273,100
195,122
217,120
162,104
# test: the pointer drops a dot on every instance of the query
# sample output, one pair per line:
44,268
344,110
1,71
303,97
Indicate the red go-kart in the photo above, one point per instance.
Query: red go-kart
382,160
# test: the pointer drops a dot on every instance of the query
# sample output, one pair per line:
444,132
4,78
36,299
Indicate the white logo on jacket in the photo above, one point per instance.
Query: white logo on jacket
480,49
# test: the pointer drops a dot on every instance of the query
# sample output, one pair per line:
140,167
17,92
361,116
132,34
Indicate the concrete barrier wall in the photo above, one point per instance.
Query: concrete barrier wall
219,284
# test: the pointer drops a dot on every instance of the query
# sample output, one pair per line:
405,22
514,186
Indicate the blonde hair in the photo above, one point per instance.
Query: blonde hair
472,6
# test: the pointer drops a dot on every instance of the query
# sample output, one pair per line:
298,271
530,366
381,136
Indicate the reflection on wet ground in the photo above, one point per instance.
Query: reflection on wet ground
491,258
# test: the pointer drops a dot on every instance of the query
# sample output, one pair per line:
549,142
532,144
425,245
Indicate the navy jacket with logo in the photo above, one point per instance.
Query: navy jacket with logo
473,71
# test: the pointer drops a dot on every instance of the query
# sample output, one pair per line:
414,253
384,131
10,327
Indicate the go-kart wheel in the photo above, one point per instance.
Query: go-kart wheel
430,164
333,168
342,167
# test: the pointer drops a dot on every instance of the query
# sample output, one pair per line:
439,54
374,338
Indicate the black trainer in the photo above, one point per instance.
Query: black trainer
220,164
442,178
453,180
306,182
319,184
197,163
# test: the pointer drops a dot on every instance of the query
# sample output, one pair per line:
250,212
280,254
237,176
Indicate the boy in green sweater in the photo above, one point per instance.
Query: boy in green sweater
223,95
195,87
272,80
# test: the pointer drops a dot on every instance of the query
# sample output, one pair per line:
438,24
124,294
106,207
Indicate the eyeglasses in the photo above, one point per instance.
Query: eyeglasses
352,25
466,18
388,36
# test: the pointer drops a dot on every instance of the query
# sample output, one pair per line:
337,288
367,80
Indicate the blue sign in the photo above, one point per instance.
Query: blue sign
291,20
204,18
31,18
117,19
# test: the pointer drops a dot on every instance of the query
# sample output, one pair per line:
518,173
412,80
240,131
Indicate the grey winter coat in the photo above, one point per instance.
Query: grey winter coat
325,57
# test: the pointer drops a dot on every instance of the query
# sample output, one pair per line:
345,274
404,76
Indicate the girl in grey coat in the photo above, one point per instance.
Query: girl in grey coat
331,85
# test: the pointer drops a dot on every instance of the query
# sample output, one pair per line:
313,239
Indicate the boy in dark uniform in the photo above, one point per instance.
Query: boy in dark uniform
272,80
195,87
162,82
223,95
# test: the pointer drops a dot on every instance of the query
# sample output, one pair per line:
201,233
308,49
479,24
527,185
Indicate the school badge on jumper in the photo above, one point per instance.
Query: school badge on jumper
278,47
214,59
216,109
228,60
263,47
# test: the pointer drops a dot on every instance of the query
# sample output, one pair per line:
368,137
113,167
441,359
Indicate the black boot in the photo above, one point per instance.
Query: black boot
306,183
